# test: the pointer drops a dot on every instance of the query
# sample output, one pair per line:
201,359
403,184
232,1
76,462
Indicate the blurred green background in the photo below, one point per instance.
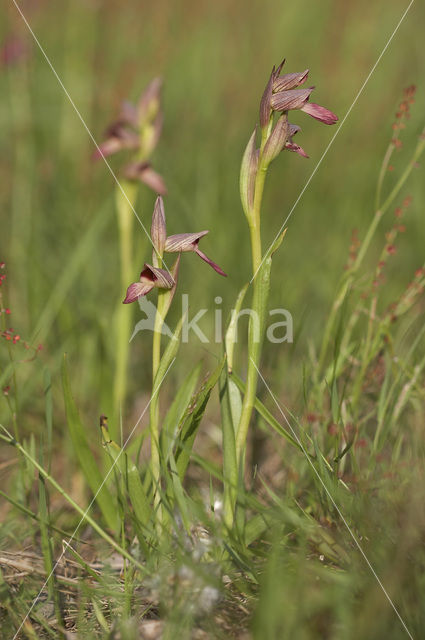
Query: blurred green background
58,229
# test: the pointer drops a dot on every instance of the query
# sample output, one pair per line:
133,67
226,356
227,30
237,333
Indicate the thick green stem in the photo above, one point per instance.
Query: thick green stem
254,353
154,406
124,312
254,345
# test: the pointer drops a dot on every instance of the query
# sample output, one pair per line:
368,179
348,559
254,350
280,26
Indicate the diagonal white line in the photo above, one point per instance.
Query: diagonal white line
68,542
313,173
74,106
294,433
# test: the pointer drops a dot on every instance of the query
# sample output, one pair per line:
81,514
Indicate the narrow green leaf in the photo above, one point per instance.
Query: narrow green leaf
85,457
179,494
247,175
177,410
231,333
130,473
192,419
230,466
49,413
266,415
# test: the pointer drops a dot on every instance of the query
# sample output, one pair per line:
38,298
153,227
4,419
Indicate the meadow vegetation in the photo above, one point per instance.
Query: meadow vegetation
154,486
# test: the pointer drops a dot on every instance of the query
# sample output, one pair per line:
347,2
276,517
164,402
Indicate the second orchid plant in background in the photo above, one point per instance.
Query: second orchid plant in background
136,131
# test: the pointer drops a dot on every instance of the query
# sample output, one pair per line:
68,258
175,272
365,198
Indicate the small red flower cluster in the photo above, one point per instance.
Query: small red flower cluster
353,249
8,333
402,114
389,248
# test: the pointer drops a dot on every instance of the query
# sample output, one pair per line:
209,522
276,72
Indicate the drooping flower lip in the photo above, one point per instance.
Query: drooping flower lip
143,171
290,145
150,277
212,264
320,113
189,242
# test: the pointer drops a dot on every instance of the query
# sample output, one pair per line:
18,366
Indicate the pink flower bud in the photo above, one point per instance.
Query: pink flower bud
277,140
149,102
248,174
158,228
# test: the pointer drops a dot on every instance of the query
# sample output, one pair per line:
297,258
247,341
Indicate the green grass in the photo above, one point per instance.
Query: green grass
344,431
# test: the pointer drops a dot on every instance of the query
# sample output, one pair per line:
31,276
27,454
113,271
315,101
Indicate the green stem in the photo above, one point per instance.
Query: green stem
254,346
154,406
125,219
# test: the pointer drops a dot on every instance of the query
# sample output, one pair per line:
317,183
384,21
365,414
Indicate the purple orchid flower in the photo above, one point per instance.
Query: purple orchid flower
152,275
150,278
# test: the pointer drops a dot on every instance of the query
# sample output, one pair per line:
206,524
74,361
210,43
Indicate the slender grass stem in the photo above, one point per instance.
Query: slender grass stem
348,278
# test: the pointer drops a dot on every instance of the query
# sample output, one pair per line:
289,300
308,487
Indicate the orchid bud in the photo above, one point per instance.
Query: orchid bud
276,141
149,102
158,229
290,145
265,104
248,174
150,134
150,277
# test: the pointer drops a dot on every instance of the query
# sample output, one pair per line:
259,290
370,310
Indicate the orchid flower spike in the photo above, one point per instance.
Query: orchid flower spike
282,94
137,129
286,96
